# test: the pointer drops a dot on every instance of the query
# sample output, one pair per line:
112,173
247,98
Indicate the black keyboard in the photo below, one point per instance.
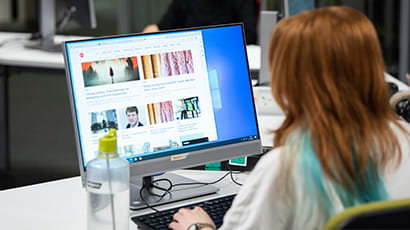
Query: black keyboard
216,208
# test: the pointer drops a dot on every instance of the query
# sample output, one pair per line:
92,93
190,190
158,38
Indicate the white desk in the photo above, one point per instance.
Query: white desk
13,52
61,204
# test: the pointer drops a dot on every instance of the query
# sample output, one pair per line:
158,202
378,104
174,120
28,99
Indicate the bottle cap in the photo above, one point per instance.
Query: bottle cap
108,143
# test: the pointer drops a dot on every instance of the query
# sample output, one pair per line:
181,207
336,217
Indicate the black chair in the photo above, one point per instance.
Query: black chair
391,214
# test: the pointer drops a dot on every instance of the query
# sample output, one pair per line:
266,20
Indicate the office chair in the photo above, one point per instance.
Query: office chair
400,102
390,214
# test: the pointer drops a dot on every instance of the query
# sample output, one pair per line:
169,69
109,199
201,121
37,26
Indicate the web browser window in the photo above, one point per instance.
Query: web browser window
165,93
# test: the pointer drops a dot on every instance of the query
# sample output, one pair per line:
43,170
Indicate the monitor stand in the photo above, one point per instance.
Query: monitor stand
175,194
44,44
47,22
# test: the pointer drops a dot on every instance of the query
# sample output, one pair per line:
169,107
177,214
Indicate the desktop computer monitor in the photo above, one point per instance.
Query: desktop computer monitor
190,90
55,14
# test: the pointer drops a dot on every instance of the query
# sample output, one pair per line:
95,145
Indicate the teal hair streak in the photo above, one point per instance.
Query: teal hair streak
313,177
372,187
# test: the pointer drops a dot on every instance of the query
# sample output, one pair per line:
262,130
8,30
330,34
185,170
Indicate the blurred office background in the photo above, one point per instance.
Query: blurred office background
391,18
41,131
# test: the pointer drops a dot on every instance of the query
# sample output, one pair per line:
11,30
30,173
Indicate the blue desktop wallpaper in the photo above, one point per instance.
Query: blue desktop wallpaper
226,55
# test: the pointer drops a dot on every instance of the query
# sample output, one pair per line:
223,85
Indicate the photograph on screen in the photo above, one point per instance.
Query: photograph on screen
167,64
112,71
187,108
170,144
132,116
102,121
136,148
160,112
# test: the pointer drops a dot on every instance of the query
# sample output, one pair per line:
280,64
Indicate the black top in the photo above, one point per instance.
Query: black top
137,125
193,13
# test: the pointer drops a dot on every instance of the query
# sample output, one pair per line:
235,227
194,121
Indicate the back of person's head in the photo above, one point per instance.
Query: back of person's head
328,58
327,75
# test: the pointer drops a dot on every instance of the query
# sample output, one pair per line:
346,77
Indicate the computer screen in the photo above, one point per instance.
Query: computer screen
54,16
177,98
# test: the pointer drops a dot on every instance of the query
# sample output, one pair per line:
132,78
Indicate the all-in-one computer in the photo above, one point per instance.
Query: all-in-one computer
192,92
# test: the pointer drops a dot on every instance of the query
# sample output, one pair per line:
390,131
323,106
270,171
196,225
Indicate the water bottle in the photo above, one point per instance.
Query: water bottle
108,187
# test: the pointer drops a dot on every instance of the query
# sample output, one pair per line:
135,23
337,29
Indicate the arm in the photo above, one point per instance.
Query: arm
151,28
170,20
258,204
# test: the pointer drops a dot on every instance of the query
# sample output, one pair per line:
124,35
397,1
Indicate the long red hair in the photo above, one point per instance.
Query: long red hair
327,75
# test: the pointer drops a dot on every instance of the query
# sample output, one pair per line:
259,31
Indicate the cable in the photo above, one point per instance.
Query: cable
231,173
167,190
203,183
145,202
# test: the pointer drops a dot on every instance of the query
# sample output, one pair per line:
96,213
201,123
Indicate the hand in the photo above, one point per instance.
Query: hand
151,28
185,217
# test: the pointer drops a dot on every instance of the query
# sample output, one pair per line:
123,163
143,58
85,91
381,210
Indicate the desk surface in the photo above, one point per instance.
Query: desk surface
61,204
13,52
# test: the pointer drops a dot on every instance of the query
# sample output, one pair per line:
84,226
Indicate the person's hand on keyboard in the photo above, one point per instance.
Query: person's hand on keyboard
185,218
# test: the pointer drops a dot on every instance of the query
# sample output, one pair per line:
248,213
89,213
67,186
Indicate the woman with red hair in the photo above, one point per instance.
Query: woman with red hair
340,144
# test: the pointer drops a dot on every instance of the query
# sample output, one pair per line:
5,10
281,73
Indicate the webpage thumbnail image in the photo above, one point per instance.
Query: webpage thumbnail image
160,112
161,142
187,108
132,116
167,64
110,71
102,121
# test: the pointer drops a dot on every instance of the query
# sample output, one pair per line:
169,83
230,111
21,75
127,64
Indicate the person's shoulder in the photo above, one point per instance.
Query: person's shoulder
273,154
270,160
405,131
404,136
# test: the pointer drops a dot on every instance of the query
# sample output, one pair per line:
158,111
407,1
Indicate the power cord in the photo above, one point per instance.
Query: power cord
167,190
233,179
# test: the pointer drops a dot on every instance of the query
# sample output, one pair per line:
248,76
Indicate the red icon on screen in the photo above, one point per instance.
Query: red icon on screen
81,54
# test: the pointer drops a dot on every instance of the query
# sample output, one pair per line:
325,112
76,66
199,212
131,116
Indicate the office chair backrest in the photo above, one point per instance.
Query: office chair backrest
400,102
392,214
